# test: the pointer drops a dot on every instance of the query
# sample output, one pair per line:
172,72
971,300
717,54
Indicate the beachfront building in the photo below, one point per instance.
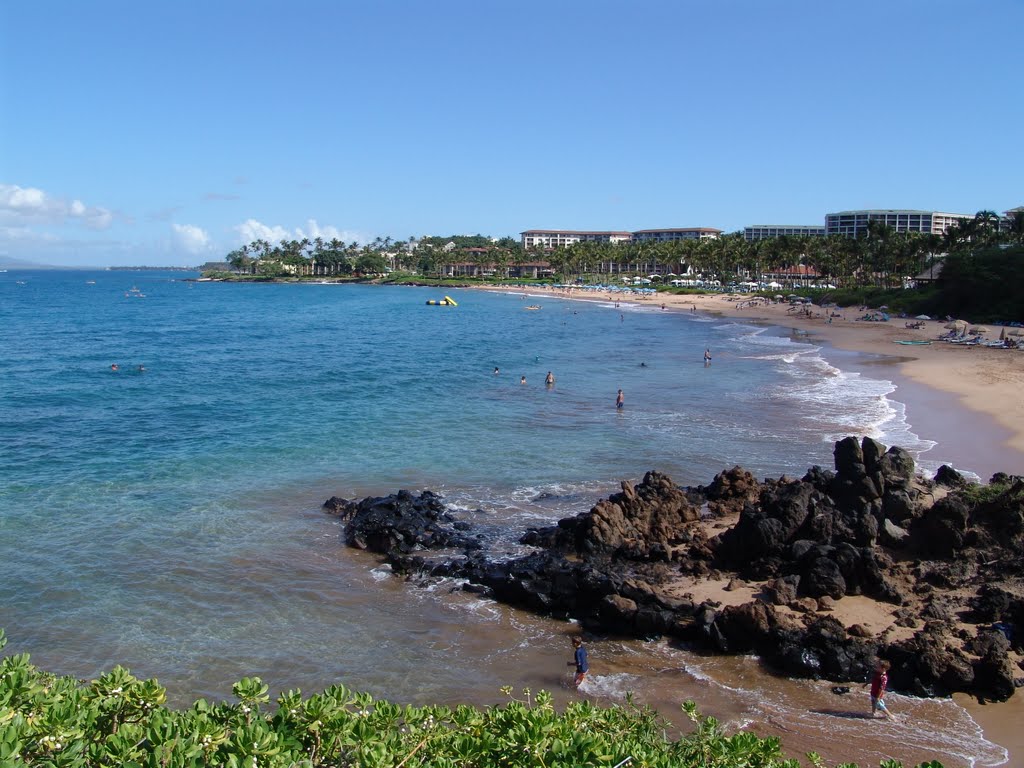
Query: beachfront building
766,231
560,238
1007,219
685,233
855,223
796,276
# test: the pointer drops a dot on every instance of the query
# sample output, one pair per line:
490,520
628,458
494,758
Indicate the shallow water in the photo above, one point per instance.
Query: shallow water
170,519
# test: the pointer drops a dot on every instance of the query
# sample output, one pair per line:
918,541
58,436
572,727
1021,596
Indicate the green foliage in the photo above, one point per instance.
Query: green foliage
119,720
986,285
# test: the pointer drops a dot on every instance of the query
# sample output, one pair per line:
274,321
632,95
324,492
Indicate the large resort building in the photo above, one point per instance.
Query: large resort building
665,235
855,223
559,238
765,231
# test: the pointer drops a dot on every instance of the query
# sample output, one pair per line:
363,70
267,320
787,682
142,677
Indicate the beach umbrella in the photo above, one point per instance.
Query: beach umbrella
979,330
922,317
1002,334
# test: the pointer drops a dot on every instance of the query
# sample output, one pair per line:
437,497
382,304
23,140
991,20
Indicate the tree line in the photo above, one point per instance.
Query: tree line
879,258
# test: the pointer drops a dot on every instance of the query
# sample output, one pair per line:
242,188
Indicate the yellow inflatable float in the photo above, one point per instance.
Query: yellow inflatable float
447,301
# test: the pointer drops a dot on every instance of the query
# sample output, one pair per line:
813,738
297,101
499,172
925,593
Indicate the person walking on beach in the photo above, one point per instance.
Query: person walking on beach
879,681
620,400
580,661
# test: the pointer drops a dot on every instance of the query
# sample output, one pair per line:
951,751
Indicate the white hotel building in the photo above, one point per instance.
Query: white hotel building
663,235
765,231
855,223
559,238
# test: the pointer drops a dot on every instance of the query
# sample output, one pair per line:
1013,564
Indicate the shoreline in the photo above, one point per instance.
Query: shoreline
966,399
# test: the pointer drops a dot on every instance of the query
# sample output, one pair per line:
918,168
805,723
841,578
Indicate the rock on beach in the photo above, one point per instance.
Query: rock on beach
819,576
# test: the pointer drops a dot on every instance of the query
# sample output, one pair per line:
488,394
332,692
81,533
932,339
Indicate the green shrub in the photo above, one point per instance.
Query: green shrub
119,720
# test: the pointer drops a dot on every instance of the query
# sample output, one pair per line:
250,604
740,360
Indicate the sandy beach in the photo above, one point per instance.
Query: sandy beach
967,398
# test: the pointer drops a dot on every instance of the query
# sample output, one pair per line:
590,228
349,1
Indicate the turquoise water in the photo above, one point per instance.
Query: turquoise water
170,519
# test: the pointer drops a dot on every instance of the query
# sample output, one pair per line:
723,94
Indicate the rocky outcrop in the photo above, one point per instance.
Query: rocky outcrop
400,524
947,554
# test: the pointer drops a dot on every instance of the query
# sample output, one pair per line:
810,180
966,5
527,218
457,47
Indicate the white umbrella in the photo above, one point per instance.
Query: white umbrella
922,317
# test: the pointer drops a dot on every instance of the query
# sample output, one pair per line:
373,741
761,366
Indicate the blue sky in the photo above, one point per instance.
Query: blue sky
169,133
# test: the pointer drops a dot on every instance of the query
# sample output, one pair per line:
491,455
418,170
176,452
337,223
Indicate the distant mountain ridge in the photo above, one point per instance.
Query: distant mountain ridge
9,263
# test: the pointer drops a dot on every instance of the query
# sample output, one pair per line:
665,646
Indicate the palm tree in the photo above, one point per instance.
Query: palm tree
988,226
1016,229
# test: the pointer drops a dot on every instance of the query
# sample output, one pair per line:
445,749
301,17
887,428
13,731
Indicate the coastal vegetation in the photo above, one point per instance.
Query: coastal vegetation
120,720
976,268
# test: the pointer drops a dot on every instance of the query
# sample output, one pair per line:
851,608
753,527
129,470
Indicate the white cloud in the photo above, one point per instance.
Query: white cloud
25,235
251,230
24,205
191,238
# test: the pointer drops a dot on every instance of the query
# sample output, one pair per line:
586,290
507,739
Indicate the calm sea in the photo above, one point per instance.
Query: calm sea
169,518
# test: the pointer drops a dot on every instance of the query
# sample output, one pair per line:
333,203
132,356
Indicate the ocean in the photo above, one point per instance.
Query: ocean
168,518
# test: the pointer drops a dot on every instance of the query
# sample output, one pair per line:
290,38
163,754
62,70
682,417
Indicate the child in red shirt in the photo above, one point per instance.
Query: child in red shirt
878,683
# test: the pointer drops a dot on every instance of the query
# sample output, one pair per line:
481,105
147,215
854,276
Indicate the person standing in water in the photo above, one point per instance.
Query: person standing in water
580,661
879,681
620,400
549,380
707,357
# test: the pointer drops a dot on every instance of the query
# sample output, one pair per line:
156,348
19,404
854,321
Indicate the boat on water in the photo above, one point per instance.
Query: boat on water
533,306
134,293
447,301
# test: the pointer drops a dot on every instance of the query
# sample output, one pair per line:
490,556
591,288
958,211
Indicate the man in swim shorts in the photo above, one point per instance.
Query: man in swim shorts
879,681
620,400
580,661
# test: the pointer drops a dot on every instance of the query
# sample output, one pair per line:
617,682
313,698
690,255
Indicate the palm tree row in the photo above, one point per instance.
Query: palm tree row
313,257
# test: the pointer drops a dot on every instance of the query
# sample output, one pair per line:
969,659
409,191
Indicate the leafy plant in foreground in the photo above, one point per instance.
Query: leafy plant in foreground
119,720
